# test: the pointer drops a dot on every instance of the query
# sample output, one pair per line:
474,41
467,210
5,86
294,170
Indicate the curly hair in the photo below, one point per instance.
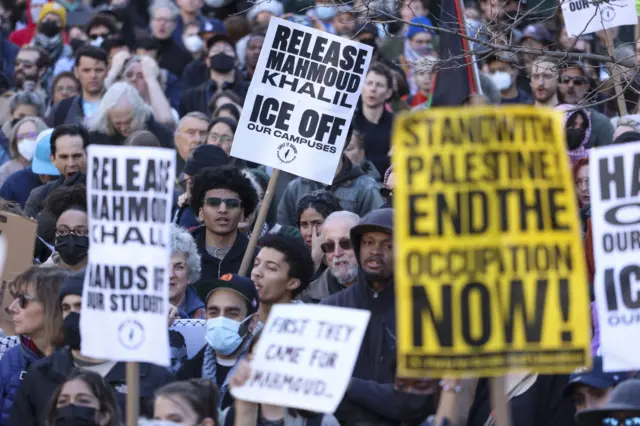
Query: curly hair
183,243
324,202
67,198
229,178
297,256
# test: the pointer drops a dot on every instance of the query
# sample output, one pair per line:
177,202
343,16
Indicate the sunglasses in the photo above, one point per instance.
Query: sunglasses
330,246
95,36
232,203
23,299
577,81
627,421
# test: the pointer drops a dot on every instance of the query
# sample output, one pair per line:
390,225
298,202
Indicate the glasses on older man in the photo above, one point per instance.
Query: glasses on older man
330,246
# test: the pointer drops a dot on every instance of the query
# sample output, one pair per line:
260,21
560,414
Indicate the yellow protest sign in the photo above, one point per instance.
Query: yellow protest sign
490,273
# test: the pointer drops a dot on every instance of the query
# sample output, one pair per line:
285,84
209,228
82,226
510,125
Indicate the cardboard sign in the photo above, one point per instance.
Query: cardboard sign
126,289
302,97
490,273
305,357
20,236
614,189
584,16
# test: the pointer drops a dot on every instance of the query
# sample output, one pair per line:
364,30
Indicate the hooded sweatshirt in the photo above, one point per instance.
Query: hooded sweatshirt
569,112
371,395
357,192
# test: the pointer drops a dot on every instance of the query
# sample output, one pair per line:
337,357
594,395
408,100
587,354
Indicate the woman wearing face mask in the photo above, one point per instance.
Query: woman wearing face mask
192,41
577,125
84,399
37,319
22,145
69,206
188,403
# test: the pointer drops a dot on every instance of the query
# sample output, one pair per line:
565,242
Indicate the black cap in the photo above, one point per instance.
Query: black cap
205,156
72,284
220,37
241,285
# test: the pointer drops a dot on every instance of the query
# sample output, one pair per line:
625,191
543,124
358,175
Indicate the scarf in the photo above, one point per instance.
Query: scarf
209,365
53,45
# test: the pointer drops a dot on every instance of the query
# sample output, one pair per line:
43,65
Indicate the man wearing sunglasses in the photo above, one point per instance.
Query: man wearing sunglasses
222,197
342,266
574,86
371,397
622,409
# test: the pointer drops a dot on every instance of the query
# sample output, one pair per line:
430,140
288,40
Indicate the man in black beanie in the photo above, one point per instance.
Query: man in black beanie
43,377
203,156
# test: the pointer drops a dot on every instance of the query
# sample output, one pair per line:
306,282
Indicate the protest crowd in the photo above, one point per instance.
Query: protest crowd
176,74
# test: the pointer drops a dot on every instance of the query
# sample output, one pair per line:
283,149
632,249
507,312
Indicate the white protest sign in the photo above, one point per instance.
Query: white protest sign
588,16
126,296
614,176
301,100
305,357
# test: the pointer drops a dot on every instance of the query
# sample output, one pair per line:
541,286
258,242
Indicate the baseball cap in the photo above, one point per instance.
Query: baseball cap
220,37
241,285
595,378
41,163
212,26
537,32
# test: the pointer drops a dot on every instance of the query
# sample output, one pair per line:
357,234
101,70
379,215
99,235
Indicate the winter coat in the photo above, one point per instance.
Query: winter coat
357,192
212,267
197,99
192,306
43,377
371,396
19,185
321,288
13,367
67,111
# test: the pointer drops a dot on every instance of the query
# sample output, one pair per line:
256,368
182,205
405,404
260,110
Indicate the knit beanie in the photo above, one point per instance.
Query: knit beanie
72,284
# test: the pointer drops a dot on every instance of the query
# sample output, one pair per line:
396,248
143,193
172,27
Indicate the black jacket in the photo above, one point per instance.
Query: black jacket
371,396
212,267
31,404
172,57
163,134
192,368
198,98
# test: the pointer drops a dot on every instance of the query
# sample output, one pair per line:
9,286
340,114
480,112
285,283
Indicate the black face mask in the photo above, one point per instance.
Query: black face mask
76,415
49,28
76,43
575,137
222,62
71,327
72,248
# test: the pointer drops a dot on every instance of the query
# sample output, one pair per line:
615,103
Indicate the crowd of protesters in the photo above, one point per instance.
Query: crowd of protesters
174,74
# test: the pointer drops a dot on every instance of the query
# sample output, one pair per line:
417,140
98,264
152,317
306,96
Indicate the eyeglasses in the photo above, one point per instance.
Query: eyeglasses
95,36
79,231
577,81
232,203
23,299
28,135
330,246
225,139
626,421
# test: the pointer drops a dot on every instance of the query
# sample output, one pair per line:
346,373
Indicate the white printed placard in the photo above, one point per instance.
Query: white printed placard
588,16
301,100
125,298
305,357
614,176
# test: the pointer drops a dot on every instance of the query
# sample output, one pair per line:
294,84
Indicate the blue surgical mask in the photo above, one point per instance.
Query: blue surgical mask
223,334
324,13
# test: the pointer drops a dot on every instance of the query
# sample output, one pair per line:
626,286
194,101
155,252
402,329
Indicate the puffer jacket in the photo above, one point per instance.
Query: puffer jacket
357,192
13,367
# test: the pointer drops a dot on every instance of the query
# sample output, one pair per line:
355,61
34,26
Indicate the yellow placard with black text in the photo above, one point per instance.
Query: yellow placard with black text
490,274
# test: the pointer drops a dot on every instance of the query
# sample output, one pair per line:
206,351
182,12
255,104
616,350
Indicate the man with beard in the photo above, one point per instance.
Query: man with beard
371,397
342,266
573,88
30,67
544,82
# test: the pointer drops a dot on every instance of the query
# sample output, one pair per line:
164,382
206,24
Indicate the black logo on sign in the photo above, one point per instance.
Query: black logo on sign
287,152
607,13
131,334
